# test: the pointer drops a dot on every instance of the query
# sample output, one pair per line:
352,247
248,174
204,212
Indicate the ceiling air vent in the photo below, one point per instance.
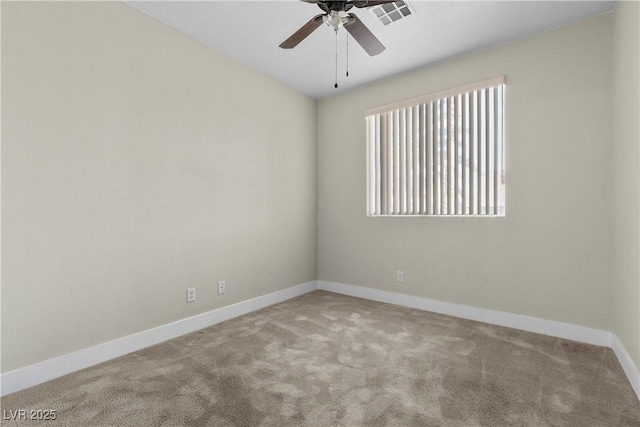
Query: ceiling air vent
392,12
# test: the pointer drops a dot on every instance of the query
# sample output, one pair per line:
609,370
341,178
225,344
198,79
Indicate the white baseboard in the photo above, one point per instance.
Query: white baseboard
28,376
38,373
510,320
627,364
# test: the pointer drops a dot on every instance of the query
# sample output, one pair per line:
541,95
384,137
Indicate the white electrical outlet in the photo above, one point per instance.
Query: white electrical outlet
400,276
221,287
191,294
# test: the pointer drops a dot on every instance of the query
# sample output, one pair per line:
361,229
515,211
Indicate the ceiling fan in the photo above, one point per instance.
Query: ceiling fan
335,15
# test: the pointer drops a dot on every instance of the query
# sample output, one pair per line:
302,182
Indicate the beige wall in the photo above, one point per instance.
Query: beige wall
137,162
626,180
550,257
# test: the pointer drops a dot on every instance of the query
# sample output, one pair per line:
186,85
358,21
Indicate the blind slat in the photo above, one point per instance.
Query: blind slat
465,155
371,169
393,170
453,150
427,165
437,164
377,164
487,152
444,153
496,158
384,153
409,193
473,185
480,149
403,162
416,159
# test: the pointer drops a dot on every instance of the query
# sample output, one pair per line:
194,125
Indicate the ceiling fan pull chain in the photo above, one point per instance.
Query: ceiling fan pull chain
347,33
336,85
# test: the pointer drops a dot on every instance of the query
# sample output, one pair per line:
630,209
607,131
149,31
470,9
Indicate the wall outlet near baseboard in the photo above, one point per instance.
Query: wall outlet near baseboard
400,276
191,294
221,287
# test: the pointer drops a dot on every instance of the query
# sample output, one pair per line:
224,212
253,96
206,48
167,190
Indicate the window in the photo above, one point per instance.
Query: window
438,154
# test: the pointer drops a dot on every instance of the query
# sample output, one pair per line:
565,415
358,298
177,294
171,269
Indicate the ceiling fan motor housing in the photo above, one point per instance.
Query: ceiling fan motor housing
330,6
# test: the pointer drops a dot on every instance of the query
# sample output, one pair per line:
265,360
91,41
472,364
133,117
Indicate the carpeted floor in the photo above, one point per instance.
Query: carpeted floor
324,359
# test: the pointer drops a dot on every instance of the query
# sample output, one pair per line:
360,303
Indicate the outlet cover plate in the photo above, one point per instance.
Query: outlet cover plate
191,294
221,287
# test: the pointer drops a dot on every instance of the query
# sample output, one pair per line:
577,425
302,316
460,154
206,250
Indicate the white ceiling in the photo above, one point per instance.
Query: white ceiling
250,31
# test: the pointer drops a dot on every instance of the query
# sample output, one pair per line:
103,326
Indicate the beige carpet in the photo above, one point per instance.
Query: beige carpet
330,360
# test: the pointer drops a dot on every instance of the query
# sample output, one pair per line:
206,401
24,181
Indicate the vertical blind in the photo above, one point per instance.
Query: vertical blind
439,154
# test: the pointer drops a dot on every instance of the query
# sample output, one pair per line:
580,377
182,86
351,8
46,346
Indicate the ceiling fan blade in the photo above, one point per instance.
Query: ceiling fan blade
368,3
302,33
363,36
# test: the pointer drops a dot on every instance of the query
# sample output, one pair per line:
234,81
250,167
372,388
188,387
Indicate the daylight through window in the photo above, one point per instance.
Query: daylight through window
438,154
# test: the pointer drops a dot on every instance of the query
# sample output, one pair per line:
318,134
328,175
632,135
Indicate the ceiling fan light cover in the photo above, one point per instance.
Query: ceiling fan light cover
336,19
